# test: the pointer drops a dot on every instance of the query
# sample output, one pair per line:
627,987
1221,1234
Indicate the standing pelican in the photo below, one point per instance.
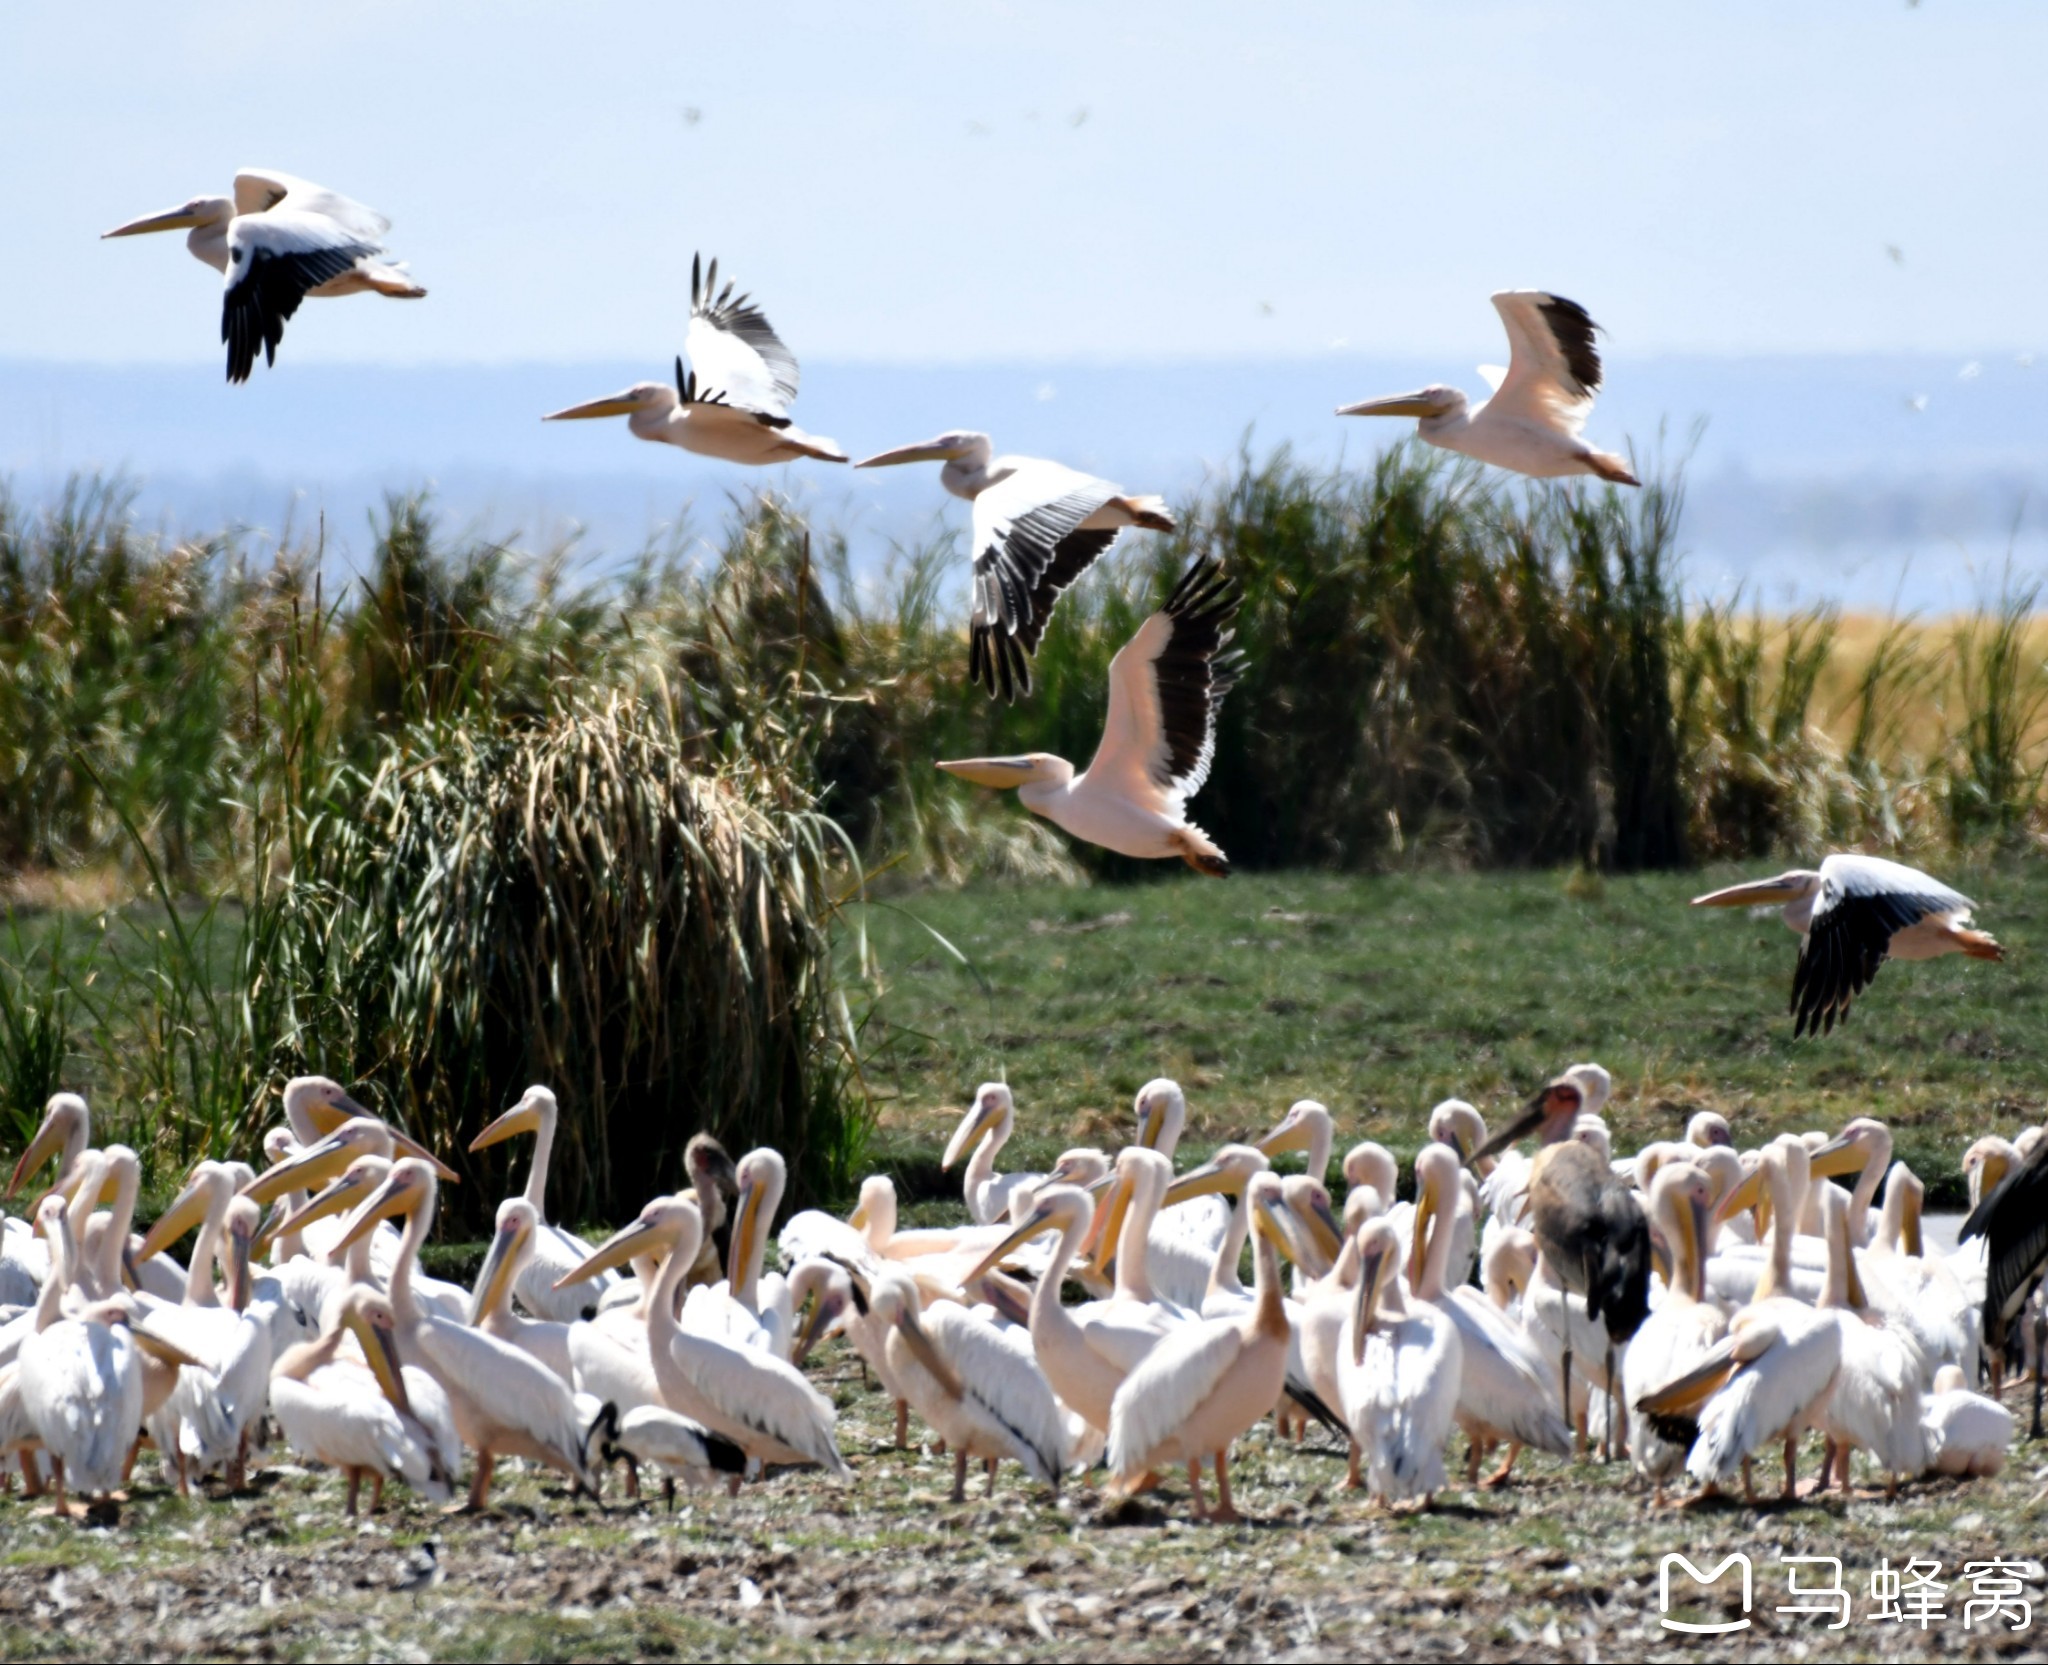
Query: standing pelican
554,1250
750,1396
1166,685
749,1309
1037,526
505,1401
1852,915
1540,403
976,1385
1680,1331
277,240
1210,1380
356,1417
985,1129
733,402
510,1254
1397,1376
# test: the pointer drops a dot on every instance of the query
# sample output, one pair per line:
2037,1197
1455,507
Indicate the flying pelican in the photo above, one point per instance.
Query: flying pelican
986,1128
1540,402
1209,1381
1397,1375
277,240
1852,915
1967,1434
357,1418
510,1254
978,1386
1681,1329
759,1401
1166,685
1037,526
1769,1377
505,1401
733,402
554,1249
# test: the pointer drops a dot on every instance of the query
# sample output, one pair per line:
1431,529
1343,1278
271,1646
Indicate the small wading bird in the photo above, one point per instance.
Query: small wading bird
1037,527
1166,685
277,240
733,402
1540,402
1852,915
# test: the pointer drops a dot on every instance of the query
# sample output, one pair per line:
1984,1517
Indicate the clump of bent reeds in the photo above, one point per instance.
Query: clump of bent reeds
577,901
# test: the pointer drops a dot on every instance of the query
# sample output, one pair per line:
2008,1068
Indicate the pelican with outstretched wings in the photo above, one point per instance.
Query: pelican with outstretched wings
733,401
1853,914
1540,403
1166,685
275,241
1038,526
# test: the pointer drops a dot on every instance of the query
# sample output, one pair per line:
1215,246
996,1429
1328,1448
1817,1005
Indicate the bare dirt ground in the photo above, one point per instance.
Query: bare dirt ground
1561,1564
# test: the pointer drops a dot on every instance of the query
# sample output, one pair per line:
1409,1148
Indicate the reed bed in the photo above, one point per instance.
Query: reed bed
487,816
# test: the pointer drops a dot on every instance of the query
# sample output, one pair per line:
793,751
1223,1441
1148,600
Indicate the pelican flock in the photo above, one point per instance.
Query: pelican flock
1686,1308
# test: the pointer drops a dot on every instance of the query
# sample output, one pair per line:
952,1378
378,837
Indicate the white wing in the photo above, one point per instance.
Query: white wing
1554,367
813,1234
556,1251
1169,1385
750,1394
259,190
735,353
512,1389
274,259
1502,1380
1165,686
999,1374
1029,545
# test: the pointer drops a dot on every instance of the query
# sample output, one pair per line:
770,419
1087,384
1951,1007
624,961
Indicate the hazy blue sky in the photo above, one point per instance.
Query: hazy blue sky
981,181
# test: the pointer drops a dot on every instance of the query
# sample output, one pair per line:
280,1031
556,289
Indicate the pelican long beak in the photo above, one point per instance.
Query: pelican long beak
929,451
746,1220
1759,893
1152,1125
1747,1192
1002,773
394,1196
327,1119
187,1209
641,1237
495,1278
337,1197
1392,404
1418,1242
1209,1178
1662,1258
825,1311
1039,1220
1366,1305
926,1354
172,219
1107,1224
1516,1131
167,1352
617,404
1698,1219
521,1118
1266,1223
1322,1227
1857,1298
1837,1156
972,1126
1291,1134
312,1166
380,1350
49,1140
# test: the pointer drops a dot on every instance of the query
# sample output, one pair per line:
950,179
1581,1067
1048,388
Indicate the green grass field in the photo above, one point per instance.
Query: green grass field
1380,996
